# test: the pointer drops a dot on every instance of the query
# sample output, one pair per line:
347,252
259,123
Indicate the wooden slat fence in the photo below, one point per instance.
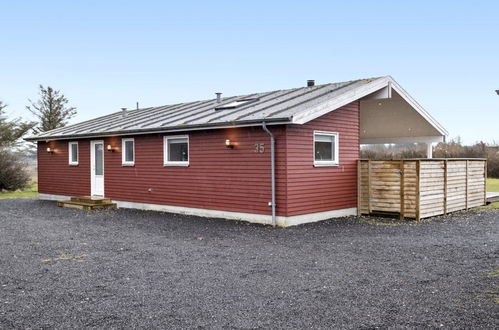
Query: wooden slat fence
420,188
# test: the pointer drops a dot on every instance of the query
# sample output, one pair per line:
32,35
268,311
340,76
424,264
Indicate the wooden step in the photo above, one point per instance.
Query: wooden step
91,200
86,206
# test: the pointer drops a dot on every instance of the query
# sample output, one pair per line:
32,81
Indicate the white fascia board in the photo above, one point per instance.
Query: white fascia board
340,101
413,103
362,91
403,140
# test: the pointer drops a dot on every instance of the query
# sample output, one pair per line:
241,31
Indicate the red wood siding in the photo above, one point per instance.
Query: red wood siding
315,189
56,176
219,178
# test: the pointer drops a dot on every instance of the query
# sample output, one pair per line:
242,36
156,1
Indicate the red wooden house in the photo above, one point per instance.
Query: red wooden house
216,157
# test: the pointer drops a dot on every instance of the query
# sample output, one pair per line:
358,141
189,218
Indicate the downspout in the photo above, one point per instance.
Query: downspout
272,161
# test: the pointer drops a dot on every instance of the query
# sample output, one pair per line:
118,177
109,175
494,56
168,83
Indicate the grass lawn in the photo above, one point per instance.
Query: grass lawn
30,192
492,184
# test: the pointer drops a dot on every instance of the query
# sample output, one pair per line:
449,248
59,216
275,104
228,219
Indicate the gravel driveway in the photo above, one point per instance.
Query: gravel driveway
63,268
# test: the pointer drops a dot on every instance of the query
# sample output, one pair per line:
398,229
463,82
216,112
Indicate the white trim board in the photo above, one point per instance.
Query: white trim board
363,91
250,217
402,139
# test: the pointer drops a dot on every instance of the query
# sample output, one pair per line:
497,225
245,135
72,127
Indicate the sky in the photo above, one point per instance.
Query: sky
104,55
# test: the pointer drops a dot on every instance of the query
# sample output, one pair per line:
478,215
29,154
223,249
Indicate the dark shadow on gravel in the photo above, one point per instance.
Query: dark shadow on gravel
63,268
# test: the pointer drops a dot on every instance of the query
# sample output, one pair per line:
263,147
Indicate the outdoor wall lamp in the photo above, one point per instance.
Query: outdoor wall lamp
110,148
50,150
229,144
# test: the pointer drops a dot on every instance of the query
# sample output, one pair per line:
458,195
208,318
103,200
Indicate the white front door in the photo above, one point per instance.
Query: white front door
97,168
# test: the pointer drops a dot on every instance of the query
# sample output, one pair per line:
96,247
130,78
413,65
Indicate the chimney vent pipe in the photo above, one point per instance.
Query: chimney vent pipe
219,97
124,113
310,83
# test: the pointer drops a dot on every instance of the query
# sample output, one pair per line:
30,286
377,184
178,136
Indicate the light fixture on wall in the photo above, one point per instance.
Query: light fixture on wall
229,144
50,150
110,148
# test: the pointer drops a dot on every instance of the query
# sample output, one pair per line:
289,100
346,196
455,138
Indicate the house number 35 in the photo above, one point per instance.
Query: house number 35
259,148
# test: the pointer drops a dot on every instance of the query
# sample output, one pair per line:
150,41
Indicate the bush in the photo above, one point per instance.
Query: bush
451,149
493,164
13,175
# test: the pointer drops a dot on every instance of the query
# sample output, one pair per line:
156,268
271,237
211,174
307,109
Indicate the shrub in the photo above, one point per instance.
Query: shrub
13,175
451,149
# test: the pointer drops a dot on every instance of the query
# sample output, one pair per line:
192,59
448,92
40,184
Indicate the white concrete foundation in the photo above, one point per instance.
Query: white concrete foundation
250,217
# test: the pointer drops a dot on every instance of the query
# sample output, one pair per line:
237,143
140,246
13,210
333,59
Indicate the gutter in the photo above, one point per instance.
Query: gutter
179,128
272,166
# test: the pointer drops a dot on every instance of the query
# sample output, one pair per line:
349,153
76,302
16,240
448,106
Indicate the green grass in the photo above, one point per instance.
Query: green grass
493,184
30,192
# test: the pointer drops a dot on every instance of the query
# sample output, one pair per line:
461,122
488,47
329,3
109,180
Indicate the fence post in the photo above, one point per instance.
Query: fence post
402,181
418,184
485,182
359,187
445,187
467,183
369,185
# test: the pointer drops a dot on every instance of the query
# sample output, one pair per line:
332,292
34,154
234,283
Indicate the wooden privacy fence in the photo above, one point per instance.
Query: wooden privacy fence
421,188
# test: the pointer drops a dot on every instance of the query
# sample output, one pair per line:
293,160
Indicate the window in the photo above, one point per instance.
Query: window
128,152
236,104
73,153
176,150
326,149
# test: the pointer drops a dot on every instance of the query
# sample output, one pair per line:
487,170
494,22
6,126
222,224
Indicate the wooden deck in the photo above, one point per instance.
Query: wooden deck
492,197
421,188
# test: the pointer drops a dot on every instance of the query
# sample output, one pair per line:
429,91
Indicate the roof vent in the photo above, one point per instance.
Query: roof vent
310,83
219,97
124,112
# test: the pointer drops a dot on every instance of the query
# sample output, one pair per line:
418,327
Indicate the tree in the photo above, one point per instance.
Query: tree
13,174
51,109
11,131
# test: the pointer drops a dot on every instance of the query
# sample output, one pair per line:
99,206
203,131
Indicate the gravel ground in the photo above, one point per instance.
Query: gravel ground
66,269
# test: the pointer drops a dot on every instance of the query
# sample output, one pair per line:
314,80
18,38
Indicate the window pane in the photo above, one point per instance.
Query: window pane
324,147
74,153
129,151
99,166
177,150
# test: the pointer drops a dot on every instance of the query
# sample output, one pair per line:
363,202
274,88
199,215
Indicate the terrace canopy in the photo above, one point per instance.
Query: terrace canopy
391,116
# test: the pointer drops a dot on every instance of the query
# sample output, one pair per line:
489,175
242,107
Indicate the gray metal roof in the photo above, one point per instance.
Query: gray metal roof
272,107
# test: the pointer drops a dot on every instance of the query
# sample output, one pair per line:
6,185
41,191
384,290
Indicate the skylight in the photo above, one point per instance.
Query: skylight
236,104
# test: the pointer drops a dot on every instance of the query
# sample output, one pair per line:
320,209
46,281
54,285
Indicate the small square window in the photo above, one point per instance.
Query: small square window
73,153
176,150
326,149
128,152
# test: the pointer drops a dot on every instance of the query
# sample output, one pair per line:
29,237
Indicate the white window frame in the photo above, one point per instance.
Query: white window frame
336,150
70,152
124,162
166,162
